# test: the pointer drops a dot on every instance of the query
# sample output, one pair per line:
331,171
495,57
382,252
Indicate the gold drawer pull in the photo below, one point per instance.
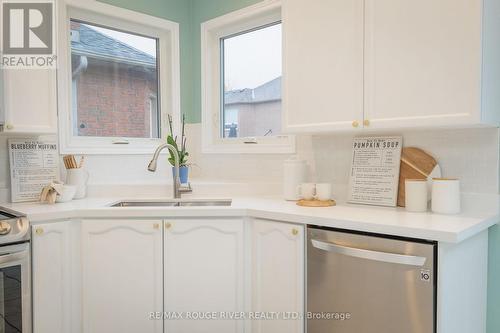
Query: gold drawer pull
355,124
156,226
39,231
295,232
168,225
366,122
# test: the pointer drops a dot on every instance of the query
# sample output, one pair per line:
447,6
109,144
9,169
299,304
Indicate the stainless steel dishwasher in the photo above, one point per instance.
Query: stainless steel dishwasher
360,283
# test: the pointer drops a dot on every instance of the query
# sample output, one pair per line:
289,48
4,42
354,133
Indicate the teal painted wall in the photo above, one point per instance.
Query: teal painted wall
178,11
204,10
189,14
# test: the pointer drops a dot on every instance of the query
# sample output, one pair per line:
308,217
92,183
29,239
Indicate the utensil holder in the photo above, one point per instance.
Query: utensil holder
79,178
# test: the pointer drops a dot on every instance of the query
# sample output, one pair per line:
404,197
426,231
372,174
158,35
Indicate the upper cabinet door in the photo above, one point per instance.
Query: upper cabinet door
204,272
323,65
422,63
122,275
30,101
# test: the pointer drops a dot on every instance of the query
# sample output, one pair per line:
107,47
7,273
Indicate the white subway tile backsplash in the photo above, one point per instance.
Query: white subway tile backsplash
469,154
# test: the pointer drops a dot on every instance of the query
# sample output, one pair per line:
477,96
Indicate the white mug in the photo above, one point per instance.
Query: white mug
445,196
324,191
307,191
79,178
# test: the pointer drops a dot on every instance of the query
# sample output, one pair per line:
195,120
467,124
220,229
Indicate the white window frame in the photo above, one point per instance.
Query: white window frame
246,19
167,33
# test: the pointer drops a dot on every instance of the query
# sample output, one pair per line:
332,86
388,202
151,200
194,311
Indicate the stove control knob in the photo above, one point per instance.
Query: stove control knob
4,228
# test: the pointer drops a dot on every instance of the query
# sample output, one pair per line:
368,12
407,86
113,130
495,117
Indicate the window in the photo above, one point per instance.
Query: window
242,78
114,73
119,79
252,82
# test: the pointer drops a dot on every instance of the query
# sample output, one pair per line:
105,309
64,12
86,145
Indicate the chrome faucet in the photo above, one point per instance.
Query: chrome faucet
177,180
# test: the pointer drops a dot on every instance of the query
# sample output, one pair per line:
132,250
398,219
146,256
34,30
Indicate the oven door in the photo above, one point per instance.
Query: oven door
15,290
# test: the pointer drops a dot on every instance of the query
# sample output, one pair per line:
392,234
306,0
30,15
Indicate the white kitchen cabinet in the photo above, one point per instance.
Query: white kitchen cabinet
30,101
323,65
423,64
204,272
55,305
462,285
122,279
277,275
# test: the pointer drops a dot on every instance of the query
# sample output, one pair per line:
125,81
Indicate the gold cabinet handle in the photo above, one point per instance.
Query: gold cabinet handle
156,226
168,225
9,126
355,124
295,231
366,122
39,231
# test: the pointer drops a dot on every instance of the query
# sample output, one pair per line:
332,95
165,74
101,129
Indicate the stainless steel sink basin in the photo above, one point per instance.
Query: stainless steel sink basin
173,203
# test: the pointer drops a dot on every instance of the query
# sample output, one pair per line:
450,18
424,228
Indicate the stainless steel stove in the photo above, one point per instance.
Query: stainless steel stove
15,274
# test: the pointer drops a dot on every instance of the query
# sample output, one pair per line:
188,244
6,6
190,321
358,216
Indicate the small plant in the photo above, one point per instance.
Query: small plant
183,154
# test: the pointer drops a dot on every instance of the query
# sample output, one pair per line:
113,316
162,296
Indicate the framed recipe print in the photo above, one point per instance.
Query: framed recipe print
33,165
374,176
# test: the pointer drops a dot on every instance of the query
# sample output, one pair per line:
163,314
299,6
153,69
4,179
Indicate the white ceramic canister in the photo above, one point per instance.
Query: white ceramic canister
416,195
294,174
79,178
445,195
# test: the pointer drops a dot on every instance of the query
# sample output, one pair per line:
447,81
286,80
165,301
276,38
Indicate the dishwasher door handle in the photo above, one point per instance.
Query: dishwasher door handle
393,258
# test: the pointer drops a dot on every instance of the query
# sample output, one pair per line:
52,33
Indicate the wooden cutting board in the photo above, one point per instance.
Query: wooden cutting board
415,164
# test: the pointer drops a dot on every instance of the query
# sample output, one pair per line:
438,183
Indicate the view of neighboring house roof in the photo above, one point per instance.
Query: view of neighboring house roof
268,92
94,44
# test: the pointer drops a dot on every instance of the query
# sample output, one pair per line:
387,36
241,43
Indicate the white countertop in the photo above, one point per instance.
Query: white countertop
480,211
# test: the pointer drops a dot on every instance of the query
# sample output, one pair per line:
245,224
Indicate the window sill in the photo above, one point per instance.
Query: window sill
107,147
287,147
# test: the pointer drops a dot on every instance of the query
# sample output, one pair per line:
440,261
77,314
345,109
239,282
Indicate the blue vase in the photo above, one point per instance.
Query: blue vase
183,174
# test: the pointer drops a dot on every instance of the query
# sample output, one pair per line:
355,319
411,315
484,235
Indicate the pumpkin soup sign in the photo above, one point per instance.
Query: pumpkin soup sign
374,176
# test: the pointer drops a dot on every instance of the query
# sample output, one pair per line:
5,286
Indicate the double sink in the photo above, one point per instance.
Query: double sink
173,203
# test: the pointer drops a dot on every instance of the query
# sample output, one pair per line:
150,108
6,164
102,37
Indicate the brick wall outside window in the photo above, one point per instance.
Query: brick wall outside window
113,100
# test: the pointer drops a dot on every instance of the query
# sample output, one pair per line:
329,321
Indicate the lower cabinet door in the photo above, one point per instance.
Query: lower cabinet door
122,282
277,277
51,262
204,275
